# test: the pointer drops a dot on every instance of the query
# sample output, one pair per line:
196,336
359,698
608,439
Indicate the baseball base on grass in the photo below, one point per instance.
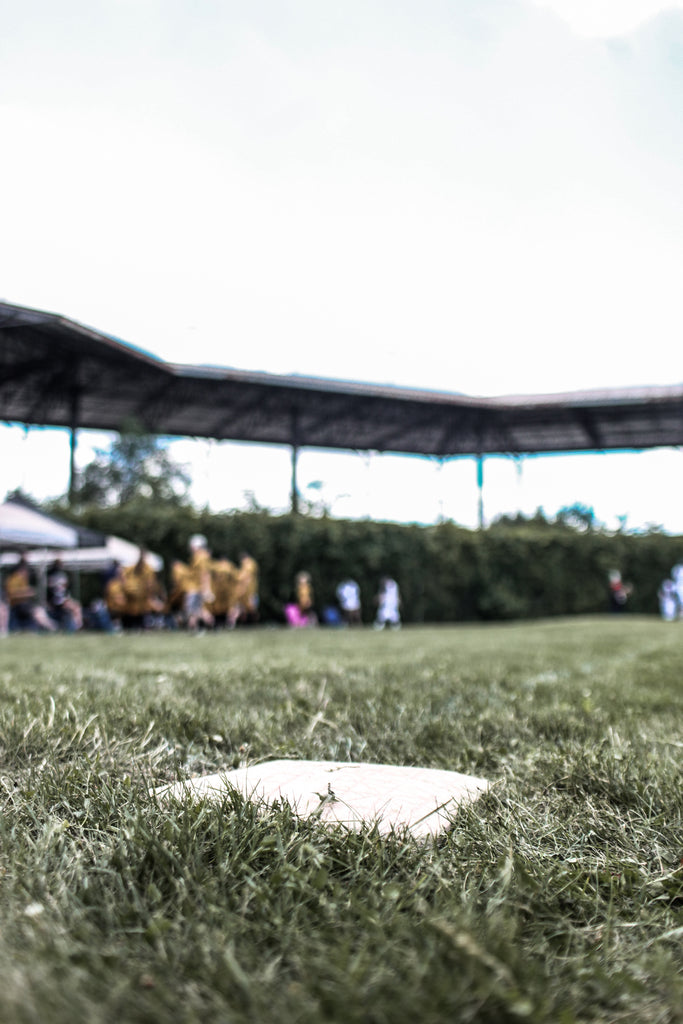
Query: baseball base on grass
421,800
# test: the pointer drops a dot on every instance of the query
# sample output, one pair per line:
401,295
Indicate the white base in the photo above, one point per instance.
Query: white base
422,800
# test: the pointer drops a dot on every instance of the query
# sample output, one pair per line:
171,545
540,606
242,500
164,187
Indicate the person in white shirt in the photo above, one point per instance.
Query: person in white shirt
668,604
388,604
677,577
348,595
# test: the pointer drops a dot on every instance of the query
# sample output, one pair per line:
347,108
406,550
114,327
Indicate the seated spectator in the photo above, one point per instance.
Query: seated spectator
96,616
24,610
61,606
331,616
302,613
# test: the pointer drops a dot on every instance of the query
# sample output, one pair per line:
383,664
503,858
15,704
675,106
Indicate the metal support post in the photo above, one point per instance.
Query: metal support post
73,440
295,459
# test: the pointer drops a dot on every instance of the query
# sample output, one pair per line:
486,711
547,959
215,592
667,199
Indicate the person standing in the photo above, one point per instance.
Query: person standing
143,593
668,603
224,580
246,607
348,595
199,592
388,604
677,579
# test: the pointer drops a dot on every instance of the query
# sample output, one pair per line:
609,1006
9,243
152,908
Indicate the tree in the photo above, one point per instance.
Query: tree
136,465
578,517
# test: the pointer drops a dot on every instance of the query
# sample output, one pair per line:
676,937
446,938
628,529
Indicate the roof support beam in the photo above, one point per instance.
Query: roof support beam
73,440
480,490
295,460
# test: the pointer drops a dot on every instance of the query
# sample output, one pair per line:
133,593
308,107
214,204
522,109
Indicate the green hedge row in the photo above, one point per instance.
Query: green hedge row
524,569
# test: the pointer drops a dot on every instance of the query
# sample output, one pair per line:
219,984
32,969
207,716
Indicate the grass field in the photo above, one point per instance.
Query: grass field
557,897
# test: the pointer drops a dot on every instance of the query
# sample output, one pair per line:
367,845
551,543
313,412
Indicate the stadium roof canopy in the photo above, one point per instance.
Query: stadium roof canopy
57,372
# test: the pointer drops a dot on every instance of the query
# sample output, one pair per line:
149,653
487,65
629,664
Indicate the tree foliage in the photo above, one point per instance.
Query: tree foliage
136,465
446,573
578,517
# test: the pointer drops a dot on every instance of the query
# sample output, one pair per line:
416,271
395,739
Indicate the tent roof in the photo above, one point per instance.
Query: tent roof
96,559
57,372
23,525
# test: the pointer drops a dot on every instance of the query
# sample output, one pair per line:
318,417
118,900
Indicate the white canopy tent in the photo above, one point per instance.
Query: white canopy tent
25,527
97,559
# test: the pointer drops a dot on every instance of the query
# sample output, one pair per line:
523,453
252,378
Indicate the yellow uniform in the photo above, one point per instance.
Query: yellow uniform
115,597
200,568
141,588
304,592
180,578
247,584
224,580
18,588
198,594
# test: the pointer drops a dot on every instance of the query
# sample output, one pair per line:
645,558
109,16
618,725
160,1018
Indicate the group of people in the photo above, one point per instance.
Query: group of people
205,592
21,608
670,595
301,611
208,592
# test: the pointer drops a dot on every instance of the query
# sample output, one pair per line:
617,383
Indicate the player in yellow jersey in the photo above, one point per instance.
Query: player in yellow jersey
142,591
246,608
199,593
224,582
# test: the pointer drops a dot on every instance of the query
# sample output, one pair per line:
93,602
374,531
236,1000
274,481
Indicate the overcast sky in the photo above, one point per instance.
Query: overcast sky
481,196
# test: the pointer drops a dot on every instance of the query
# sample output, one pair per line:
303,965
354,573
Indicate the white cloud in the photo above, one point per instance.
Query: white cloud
607,18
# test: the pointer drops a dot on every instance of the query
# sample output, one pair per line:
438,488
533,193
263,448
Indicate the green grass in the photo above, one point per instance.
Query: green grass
557,897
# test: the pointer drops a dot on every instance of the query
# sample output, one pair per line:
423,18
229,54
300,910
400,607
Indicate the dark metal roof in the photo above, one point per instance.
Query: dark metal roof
56,372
